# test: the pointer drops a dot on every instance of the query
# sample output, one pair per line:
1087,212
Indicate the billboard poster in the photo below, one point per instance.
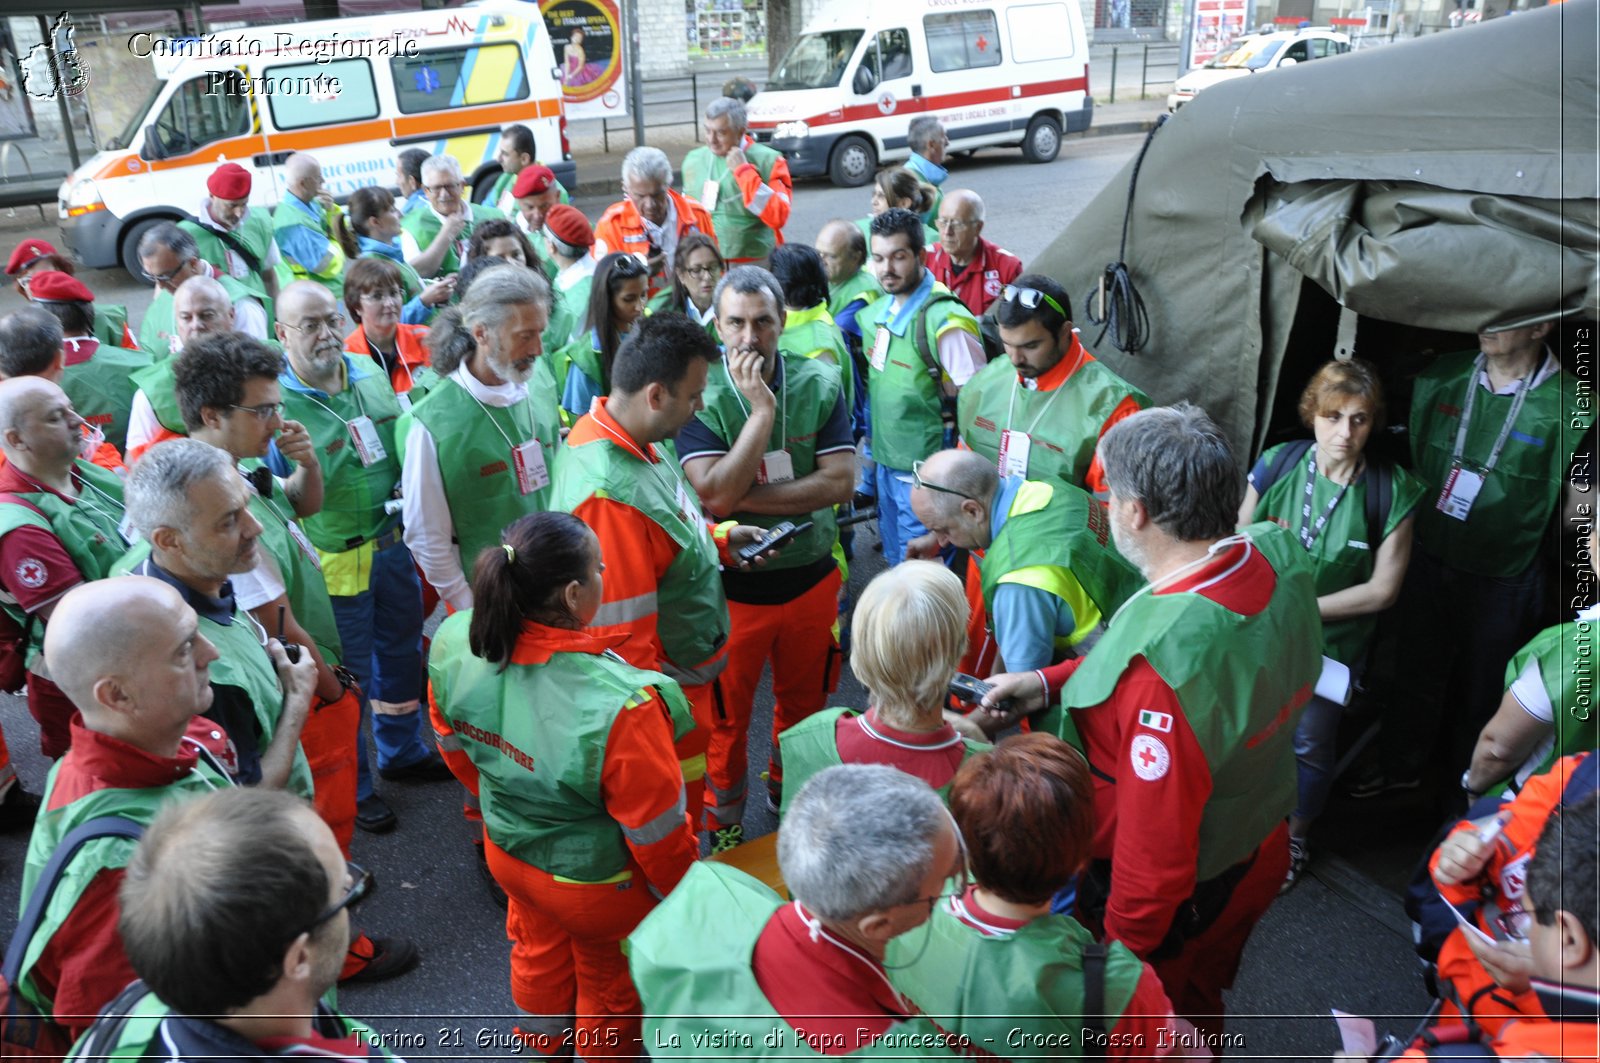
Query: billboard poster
587,37
1216,24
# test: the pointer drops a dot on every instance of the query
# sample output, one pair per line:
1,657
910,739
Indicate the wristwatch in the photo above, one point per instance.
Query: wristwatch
1472,794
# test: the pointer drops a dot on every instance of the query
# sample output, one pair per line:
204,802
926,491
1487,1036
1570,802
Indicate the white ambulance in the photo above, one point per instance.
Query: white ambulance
994,72
354,92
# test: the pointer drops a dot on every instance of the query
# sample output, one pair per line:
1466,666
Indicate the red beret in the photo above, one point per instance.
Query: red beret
53,286
25,253
567,224
229,181
533,180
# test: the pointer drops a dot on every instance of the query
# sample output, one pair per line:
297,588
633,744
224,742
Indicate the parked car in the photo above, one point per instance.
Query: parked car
1256,53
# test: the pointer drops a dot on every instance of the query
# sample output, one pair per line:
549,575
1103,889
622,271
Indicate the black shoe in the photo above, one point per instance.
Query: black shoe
496,892
374,815
379,959
430,768
18,809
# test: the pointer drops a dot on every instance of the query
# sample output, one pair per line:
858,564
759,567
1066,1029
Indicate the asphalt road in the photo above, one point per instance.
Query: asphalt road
1338,940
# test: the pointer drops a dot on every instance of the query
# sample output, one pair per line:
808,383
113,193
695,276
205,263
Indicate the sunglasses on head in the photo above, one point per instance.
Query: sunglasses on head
1030,298
628,266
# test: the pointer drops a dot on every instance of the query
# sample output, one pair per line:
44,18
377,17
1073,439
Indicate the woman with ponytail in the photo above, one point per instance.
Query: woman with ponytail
584,844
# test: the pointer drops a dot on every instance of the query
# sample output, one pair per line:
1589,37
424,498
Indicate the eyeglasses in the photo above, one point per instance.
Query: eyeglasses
360,886
1030,299
453,186
955,223
265,412
322,324
916,479
703,271
167,277
962,877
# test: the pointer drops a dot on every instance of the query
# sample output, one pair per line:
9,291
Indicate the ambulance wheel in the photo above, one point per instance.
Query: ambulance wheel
853,162
129,250
1043,140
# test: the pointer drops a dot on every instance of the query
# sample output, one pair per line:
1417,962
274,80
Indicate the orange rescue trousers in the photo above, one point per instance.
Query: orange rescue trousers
329,742
801,639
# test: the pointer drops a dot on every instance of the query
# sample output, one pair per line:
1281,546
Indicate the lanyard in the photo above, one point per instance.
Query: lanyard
353,391
264,497
817,932
1308,532
633,448
783,404
382,357
1511,415
1211,552
83,483
1016,386
511,412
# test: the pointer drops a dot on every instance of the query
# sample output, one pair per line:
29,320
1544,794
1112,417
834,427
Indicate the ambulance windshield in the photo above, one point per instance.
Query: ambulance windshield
135,122
815,61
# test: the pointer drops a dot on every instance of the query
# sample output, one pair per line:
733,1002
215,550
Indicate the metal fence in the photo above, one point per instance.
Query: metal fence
1157,64
676,101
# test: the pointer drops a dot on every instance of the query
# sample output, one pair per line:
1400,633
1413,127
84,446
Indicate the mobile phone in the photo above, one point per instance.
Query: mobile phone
969,688
778,535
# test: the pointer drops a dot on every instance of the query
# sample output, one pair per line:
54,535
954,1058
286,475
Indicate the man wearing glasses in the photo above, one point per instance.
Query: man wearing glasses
169,257
309,226
1039,412
434,239
651,218
973,268
866,851
189,885
348,406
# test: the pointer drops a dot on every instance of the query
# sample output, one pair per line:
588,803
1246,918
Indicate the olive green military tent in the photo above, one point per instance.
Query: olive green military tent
1442,183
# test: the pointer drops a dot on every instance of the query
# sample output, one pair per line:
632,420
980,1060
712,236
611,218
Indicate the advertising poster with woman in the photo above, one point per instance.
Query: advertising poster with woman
587,37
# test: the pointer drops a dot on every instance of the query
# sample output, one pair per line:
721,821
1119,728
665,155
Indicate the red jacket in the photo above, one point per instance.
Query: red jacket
991,269
621,229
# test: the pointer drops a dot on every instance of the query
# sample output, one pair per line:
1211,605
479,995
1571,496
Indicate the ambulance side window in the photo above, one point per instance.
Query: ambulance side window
205,109
444,78
962,41
892,57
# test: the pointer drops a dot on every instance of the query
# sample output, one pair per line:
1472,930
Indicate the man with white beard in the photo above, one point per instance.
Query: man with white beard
501,421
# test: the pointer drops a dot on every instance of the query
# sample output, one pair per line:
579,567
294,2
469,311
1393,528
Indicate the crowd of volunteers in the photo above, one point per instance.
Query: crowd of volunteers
626,463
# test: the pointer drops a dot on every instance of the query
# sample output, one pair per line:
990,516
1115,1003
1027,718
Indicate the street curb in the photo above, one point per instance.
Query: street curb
600,186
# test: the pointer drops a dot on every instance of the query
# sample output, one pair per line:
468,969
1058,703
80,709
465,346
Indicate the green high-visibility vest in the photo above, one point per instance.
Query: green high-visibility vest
537,735
862,285
582,355
740,234
809,747
1241,681
813,334
1063,425
158,332
691,612
243,663
110,324
54,824
576,299
353,494
423,225
289,216
256,234
691,982
907,422
1057,538
159,384
1507,523
300,569
1022,989
1565,654
87,529
102,388
474,443
1340,555
807,392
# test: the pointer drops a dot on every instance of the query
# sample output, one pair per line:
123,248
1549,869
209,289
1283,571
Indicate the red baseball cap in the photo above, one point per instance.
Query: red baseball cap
25,253
533,180
229,181
567,224
53,286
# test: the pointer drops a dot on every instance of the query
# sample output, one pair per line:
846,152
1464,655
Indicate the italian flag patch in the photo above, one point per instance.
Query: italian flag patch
1156,721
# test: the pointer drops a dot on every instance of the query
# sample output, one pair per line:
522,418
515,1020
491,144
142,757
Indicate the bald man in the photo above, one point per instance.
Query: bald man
202,306
851,285
308,225
975,269
59,518
1051,579
129,654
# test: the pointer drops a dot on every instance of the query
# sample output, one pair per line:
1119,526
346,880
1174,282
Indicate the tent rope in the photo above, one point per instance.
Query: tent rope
1115,304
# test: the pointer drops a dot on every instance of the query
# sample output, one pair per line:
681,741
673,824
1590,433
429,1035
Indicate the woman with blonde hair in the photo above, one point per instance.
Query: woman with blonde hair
909,633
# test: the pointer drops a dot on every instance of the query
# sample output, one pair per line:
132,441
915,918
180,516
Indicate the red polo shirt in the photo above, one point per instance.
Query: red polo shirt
992,268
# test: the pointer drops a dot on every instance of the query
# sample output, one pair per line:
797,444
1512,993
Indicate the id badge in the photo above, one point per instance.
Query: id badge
404,400
528,460
1014,449
690,508
303,543
1461,489
364,434
708,193
880,349
777,467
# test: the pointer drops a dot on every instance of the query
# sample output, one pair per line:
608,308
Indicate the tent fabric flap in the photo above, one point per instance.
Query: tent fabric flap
1407,252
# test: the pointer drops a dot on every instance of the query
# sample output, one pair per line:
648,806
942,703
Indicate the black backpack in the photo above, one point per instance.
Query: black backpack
930,361
1380,494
